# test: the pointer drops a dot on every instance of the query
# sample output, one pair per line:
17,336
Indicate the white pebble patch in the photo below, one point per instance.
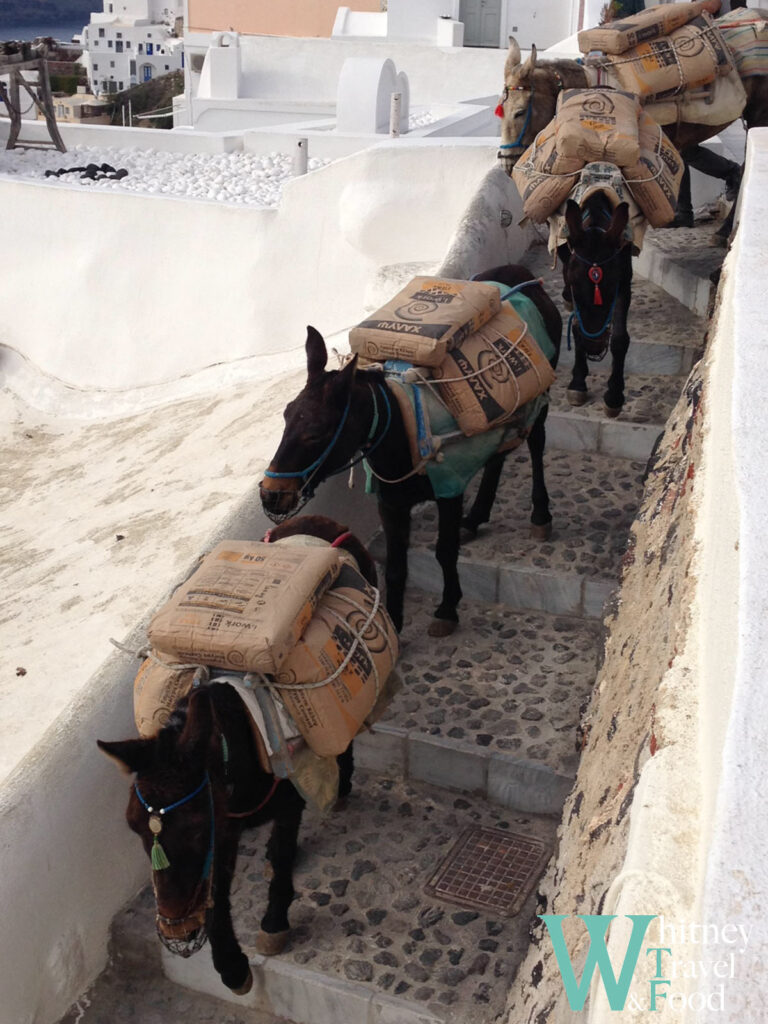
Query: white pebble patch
239,179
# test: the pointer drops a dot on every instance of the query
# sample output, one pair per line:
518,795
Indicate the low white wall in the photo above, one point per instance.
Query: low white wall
282,68
141,289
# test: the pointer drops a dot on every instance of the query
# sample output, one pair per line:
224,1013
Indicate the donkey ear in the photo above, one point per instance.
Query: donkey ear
129,755
513,56
199,725
317,356
573,220
527,69
618,223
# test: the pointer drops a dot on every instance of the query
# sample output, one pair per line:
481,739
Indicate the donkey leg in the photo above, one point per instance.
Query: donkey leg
281,854
541,518
613,399
346,763
578,392
228,958
447,551
396,521
486,495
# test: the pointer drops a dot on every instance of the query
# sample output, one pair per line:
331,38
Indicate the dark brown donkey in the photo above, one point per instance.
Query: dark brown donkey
341,413
198,784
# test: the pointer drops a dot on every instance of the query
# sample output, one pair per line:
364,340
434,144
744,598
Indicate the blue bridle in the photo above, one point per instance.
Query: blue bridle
518,143
305,475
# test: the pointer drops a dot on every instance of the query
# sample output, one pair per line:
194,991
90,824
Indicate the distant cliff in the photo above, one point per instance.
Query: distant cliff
28,12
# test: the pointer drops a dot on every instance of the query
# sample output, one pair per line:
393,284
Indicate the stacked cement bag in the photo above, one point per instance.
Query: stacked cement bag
297,612
656,55
351,639
599,126
245,607
654,180
544,177
425,320
616,37
486,379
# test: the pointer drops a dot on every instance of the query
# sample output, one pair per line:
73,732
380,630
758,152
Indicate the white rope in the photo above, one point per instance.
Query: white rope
350,653
146,652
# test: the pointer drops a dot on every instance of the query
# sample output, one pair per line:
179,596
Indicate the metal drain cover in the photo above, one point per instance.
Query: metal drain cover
489,869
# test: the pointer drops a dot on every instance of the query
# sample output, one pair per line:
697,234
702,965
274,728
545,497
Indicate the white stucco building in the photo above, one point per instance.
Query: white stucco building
132,41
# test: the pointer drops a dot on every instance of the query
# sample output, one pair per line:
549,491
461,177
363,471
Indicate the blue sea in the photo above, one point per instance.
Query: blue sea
61,30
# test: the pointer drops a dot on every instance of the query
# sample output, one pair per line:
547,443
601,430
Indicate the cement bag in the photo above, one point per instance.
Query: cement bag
488,377
246,605
426,319
598,125
654,180
350,628
720,102
687,58
541,187
157,689
653,23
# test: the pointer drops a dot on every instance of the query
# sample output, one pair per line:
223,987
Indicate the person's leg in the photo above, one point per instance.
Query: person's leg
716,166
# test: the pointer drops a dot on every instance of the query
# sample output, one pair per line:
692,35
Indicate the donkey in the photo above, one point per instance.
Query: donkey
530,97
597,277
342,412
198,784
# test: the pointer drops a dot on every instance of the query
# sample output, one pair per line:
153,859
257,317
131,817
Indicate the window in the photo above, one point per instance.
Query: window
132,69
146,72
109,43
111,8
120,86
167,68
95,67
101,33
113,86
140,48
119,35
119,46
149,49
127,44
111,63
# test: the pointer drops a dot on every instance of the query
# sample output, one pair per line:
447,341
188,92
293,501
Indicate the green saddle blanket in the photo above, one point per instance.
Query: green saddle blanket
450,459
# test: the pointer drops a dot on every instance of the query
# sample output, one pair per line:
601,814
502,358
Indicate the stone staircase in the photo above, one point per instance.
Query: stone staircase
483,735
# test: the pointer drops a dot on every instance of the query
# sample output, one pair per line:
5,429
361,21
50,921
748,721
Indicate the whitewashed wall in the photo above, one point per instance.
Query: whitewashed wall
145,289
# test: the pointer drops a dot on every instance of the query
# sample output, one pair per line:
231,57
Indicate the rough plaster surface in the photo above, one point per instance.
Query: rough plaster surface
633,721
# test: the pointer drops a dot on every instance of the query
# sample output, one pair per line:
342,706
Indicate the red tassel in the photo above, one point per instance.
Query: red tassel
499,111
598,298
595,275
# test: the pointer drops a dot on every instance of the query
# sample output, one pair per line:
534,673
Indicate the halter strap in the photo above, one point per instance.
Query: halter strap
518,143
173,806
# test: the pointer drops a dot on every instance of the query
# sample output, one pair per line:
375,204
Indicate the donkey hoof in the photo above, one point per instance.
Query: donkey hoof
442,627
576,397
247,985
271,943
543,532
610,412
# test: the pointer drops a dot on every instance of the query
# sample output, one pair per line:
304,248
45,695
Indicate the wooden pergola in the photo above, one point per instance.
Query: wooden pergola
17,68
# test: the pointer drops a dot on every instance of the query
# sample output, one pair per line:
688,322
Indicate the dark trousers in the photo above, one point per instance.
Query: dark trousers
712,164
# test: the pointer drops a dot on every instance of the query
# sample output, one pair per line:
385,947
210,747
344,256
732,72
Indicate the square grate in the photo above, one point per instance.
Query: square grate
489,869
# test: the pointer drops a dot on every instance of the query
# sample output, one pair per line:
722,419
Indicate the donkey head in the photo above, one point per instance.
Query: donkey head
594,272
520,118
172,808
320,434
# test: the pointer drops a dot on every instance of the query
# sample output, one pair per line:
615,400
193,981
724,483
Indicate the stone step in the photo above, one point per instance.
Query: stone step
368,943
494,709
666,336
648,403
593,497
681,261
